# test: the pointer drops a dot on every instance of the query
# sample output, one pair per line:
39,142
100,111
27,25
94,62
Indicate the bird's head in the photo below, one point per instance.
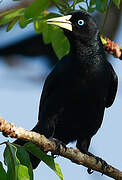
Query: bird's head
77,25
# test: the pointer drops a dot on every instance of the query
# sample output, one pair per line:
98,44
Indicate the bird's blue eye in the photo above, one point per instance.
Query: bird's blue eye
81,22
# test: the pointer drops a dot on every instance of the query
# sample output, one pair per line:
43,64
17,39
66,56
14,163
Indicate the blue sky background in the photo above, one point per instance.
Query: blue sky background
19,101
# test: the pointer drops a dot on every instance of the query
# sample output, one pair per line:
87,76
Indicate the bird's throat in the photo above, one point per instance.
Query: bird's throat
85,50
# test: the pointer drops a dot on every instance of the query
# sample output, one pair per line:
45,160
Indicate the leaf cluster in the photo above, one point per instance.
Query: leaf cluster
37,14
18,162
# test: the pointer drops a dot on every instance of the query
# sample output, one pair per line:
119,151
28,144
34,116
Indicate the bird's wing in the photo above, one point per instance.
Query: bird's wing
112,87
51,90
49,110
49,87
54,81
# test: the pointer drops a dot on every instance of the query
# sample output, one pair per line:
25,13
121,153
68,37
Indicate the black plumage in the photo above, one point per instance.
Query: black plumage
79,87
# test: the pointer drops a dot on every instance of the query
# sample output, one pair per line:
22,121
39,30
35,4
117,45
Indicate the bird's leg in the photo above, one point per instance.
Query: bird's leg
98,159
83,145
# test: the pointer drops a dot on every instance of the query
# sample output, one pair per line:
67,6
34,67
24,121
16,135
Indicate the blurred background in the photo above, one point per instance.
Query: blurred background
25,62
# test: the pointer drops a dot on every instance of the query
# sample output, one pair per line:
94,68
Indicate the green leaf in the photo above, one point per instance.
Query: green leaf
60,42
11,15
101,5
3,175
54,35
23,173
41,26
90,10
18,163
77,1
44,17
12,23
23,22
25,164
36,8
57,2
57,170
6,12
47,31
48,160
117,3
38,25
92,2
11,161
92,6
61,4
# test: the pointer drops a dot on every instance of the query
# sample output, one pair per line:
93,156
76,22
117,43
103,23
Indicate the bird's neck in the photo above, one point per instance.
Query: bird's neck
86,50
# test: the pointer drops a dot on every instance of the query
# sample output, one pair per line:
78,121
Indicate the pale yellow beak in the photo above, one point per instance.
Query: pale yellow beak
62,22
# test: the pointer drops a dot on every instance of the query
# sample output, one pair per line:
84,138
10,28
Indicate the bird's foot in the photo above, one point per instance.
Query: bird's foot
58,145
104,164
90,171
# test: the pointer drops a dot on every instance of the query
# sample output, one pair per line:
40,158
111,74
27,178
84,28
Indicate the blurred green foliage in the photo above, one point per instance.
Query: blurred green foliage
37,14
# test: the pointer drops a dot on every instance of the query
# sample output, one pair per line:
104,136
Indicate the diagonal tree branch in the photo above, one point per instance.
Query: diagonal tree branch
74,155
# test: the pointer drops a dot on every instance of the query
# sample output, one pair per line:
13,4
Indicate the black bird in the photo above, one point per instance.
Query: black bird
79,87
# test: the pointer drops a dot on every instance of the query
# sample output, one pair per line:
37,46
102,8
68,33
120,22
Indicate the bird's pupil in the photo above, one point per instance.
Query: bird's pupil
80,22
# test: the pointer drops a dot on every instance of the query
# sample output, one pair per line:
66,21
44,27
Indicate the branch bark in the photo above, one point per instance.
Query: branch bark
11,130
113,48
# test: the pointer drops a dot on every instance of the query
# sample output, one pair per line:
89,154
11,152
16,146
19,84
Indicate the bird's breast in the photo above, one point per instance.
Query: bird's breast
85,76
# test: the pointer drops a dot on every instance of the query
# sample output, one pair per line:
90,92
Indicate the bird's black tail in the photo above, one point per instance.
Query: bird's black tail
34,160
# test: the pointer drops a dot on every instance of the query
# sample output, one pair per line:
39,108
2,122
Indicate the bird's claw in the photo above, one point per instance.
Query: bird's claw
58,143
90,171
104,164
